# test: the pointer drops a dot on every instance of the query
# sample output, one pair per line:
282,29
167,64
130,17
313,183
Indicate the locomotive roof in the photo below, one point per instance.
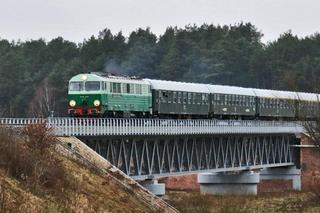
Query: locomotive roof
178,86
89,77
221,89
95,77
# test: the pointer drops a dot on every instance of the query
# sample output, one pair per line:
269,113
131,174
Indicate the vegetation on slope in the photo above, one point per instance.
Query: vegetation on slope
307,202
35,177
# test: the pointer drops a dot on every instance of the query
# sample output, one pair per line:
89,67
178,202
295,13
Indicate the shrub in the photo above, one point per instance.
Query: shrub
30,158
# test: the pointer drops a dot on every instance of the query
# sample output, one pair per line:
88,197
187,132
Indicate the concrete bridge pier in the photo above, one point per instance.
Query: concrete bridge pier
153,186
283,173
240,183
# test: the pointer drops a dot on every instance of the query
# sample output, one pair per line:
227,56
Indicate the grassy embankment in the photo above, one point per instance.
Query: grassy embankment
266,202
35,177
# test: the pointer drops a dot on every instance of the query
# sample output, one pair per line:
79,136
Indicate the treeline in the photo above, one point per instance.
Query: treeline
34,74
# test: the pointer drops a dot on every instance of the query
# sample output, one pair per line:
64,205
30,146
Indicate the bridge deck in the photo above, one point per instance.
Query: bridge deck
133,126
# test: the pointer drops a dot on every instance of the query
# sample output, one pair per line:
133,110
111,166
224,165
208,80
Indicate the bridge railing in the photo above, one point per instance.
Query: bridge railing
134,126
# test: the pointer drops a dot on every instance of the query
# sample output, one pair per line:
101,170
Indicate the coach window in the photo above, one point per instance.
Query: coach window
273,103
169,97
174,97
164,96
184,97
189,98
179,97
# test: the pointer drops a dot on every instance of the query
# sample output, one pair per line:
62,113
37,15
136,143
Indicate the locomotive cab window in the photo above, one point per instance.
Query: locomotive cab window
92,85
76,86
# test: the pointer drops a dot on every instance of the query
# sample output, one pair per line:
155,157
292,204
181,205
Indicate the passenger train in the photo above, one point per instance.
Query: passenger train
99,95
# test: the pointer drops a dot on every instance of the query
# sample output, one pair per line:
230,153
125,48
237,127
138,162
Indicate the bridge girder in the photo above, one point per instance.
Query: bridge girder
155,156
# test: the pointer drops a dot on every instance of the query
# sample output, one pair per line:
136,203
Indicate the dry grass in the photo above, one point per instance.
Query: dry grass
31,160
269,202
35,177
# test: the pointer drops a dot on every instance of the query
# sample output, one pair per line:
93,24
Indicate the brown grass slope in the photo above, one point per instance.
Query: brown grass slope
40,173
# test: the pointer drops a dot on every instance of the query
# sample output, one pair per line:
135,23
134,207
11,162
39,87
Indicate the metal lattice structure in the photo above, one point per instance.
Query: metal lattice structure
152,157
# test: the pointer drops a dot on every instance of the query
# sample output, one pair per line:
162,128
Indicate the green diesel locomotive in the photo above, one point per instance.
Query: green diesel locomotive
108,96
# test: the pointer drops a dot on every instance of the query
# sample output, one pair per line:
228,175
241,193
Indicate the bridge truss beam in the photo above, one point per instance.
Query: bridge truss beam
152,157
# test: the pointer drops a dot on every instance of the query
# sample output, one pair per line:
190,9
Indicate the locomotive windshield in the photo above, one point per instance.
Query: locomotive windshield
92,85
76,86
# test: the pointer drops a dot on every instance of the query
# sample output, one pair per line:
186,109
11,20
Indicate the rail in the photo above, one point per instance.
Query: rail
134,126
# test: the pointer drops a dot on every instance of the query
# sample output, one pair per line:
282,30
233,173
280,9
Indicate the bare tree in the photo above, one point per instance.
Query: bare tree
43,102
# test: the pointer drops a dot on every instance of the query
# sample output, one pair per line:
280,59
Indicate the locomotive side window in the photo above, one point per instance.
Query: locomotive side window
104,86
76,86
92,85
115,87
138,89
131,88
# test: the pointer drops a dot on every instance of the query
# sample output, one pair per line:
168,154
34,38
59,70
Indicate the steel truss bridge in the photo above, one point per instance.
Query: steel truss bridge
151,148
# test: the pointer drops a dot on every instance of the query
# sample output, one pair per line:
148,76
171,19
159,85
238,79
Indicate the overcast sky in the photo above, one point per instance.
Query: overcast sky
78,19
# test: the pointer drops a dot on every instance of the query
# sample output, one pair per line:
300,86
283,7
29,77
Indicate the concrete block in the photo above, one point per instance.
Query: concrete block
153,186
243,183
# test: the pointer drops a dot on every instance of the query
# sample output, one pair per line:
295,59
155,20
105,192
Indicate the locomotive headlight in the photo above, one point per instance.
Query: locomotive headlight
72,103
96,103
84,77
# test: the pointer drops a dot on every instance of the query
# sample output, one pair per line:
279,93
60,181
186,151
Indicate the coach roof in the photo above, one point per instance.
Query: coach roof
177,86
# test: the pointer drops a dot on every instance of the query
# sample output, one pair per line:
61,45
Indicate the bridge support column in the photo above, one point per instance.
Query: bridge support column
285,173
153,186
243,183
